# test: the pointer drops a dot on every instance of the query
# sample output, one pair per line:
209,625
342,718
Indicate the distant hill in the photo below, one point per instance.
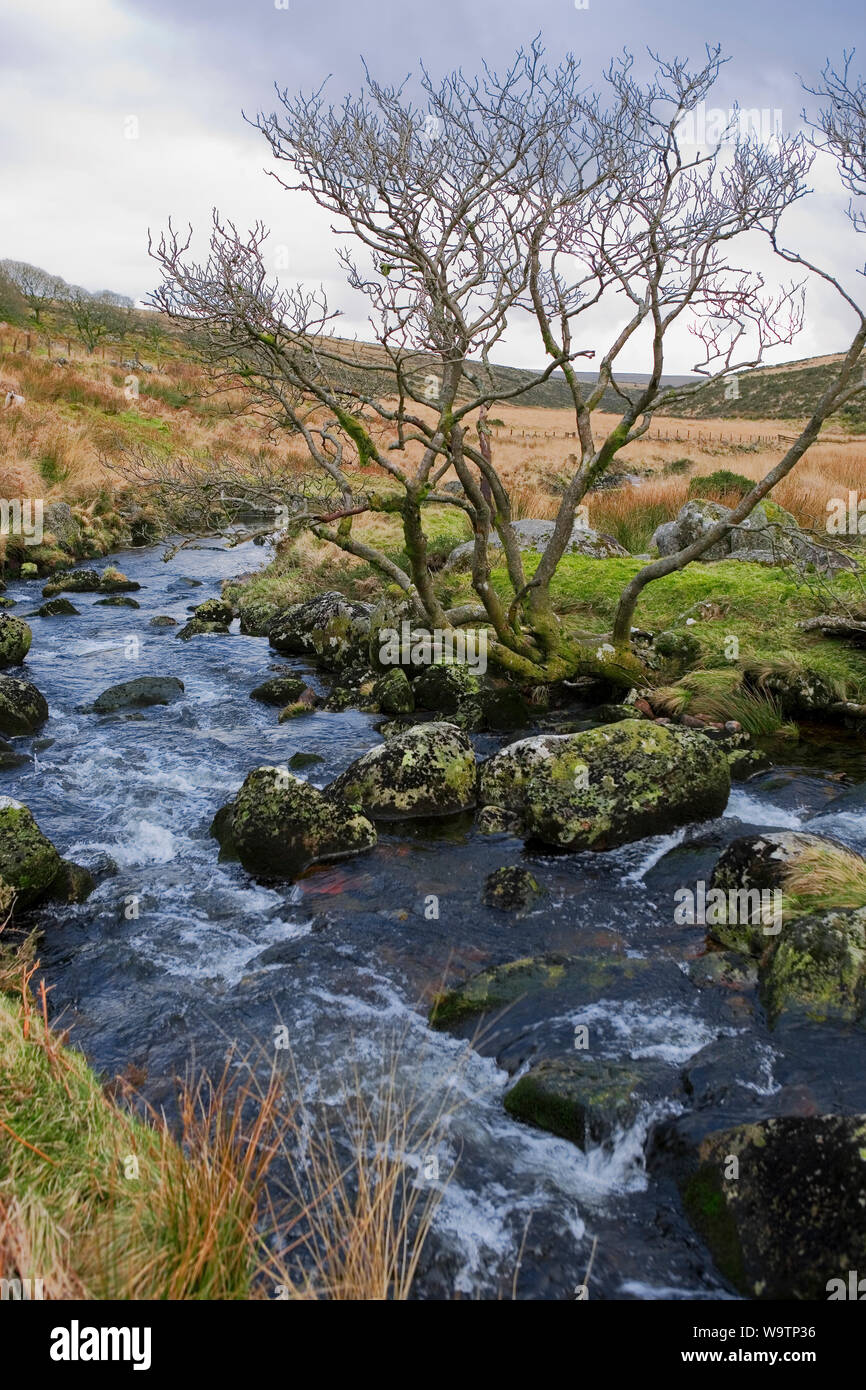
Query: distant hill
787,391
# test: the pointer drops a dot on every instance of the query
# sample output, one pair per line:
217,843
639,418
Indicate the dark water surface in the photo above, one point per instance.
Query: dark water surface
347,958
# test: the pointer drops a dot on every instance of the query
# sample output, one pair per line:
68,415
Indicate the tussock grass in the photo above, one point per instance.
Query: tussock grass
824,877
101,1202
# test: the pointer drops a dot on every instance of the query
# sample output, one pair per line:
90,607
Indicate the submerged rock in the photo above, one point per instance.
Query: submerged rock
23,708
115,601
278,825
163,620
503,985
511,887
781,1204
138,693
607,786
586,1099
15,639
427,771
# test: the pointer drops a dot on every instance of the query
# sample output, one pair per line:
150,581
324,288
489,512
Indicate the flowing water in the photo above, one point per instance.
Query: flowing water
176,956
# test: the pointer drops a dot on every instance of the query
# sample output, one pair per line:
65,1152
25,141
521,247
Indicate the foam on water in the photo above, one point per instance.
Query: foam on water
752,811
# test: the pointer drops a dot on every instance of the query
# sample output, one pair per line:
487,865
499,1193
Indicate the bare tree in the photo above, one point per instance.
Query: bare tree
39,287
838,130
514,193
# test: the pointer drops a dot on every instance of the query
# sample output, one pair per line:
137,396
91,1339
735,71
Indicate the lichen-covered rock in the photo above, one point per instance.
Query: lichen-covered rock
535,535
197,627
427,771
15,639
495,820
257,615
444,687
393,621
692,523
816,968
804,869
59,520
23,708
511,888
214,610
781,1204
279,826
609,785
279,690
393,693
138,693
29,863
582,1098
329,627
57,608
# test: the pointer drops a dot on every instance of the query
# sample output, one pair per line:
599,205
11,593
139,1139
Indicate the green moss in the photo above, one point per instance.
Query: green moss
706,1204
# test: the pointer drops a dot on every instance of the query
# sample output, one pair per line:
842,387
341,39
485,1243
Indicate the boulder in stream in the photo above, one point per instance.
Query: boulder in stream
607,786
23,708
279,826
15,639
427,771
138,694
781,1204
330,627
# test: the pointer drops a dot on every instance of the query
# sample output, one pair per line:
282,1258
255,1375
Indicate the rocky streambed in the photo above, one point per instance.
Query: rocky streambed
519,964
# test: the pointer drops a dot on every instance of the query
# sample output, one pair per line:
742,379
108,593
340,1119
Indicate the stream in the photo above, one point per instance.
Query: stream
176,955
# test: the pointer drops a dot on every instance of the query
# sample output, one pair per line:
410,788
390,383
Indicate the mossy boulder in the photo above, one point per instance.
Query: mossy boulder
138,694
163,620
393,617
808,871
511,888
781,1204
607,786
279,826
816,968
445,687
258,615
427,771
109,581
797,690
57,608
279,690
23,708
393,693
584,1099
29,863
15,639
114,601
330,627
214,610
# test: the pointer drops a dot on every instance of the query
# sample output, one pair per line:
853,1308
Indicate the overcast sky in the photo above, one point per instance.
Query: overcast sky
115,114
